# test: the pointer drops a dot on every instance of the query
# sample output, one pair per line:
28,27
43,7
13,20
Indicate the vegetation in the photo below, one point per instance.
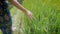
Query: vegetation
46,17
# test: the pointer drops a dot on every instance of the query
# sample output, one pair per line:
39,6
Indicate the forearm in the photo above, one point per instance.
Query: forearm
19,6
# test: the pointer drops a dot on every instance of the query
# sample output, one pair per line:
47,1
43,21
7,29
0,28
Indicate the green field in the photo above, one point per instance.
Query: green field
46,17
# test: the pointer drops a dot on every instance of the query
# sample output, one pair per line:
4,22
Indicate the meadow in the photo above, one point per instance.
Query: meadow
46,17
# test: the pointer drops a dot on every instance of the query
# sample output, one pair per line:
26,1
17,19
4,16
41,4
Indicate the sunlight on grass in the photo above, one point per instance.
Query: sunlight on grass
47,15
13,10
0,32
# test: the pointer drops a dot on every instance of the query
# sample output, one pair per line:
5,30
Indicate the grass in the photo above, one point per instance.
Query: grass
13,10
0,32
46,13
46,17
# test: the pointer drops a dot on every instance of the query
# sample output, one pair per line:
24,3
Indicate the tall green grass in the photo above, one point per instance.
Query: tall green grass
46,17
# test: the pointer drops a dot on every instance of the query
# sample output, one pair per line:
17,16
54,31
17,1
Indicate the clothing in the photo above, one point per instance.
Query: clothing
5,18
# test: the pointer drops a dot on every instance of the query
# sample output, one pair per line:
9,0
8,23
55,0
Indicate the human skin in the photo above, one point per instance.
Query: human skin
20,7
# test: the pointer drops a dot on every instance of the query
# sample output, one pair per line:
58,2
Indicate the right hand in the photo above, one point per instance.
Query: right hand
29,14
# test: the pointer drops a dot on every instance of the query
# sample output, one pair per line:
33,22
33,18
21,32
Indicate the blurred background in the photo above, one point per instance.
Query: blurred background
46,17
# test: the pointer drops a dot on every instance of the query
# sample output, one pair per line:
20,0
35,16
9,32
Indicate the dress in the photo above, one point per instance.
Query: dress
5,18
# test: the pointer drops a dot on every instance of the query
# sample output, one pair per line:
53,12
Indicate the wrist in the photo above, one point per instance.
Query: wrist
25,11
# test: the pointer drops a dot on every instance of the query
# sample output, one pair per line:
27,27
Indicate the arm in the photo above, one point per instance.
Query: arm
19,6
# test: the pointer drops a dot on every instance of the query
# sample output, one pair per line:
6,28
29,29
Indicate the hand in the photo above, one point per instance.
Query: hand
29,14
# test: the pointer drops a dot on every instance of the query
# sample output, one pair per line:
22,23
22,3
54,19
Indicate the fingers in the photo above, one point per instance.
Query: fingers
31,17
